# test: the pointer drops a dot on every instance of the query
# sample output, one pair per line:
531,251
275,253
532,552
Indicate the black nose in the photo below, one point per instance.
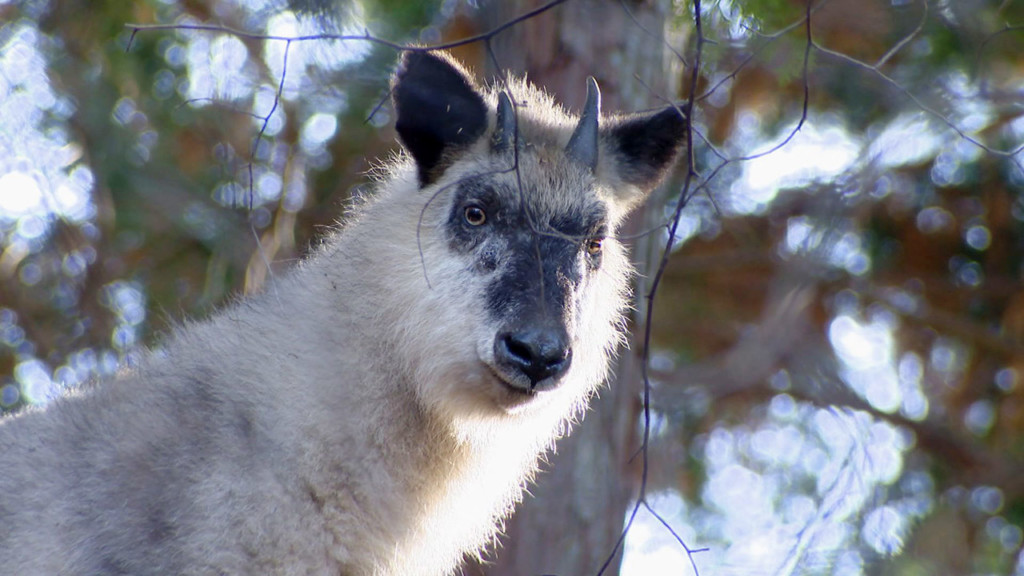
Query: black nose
539,354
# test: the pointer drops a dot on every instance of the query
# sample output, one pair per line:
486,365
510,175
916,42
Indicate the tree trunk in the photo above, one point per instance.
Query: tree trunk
571,521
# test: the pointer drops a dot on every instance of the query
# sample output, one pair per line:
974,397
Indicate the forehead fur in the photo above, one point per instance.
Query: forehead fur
541,120
551,182
552,194
551,186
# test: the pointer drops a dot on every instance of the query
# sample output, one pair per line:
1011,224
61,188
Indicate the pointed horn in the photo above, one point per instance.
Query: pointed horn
582,145
505,132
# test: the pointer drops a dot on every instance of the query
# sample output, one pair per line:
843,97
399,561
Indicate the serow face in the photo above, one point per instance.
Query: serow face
531,194
534,267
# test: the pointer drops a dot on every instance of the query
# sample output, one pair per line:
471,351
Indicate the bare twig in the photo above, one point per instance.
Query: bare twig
684,195
365,36
1006,153
906,39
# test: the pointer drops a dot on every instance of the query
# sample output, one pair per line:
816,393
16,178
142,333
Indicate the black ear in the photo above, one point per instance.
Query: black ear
439,110
646,145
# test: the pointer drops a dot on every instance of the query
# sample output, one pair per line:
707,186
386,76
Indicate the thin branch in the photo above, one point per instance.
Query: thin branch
684,195
770,38
365,36
689,551
252,159
1008,153
806,93
906,39
638,24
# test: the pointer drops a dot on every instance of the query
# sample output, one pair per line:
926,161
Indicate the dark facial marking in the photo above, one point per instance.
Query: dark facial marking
539,259
542,269
474,215
535,278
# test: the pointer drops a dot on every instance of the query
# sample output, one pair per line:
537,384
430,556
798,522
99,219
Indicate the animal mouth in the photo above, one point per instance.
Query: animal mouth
509,384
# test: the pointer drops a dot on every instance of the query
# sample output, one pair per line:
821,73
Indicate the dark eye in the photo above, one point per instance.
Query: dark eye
594,246
475,215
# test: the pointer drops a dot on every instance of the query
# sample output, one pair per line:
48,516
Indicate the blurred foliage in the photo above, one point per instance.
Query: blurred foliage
839,338
891,284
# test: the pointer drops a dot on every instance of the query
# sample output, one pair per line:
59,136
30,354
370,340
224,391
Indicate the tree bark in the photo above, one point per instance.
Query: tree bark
573,517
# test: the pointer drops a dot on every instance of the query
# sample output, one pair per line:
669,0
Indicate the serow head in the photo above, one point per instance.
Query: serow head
523,201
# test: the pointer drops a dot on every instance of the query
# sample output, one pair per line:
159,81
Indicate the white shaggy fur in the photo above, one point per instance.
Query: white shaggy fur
344,422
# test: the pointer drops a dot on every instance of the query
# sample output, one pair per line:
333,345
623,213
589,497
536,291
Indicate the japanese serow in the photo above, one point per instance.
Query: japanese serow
379,410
